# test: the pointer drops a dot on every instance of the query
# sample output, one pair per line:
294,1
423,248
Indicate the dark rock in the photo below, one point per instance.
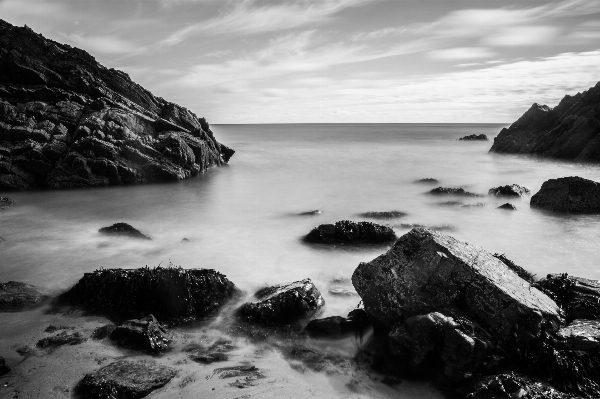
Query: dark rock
512,190
144,334
310,213
124,229
568,131
5,202
428,271
67,122
471,137
453,191
16,296
512,385
103,331
450,203
168,293
125,379
284,303
347,232
383,215
335,327
568,194
508,207
60,339
524,274
578,297
4,369
427,180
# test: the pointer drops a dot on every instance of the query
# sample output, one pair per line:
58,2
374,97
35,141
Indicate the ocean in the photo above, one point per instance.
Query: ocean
242,219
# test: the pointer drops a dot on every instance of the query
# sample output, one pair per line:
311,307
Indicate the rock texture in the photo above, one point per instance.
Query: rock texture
145,334
124,229
510,190
474,137
168,293
347,232
579,297
67,122
125,379
568,194
16,296
570,130
284,303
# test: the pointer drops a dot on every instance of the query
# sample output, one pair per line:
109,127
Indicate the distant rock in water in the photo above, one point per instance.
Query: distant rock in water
16,296
571,130
568,194
474,137
383,215
347,232
5,203
453,191
512,190
68,122
123,229
450,203
310,213
427,180
168,293
477,205
508,207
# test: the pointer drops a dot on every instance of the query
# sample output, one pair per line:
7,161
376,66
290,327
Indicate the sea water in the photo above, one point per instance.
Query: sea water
242,219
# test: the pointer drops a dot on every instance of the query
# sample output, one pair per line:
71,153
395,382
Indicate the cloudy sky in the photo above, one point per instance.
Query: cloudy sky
290,61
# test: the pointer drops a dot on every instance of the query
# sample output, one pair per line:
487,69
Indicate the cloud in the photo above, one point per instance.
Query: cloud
461,53
522,36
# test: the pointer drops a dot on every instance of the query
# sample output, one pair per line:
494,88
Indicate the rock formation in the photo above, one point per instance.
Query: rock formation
568,194
66,122
382,214
348,232
571,130
126,230
510,190
145,334
474,137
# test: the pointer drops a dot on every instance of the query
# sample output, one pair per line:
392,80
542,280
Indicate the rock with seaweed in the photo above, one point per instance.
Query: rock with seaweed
568,194
145,334
346,232
66,121
509,190
579,297
16,296
169,293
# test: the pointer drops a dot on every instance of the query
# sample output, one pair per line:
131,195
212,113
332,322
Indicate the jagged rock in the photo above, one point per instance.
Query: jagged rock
357,323
16,296
383,215
570,130
472,137
144,334
512,190
568,194
579,297
427,180
168,293
284,303
429,271
67,122
4,369
124,229
60,339
5,203
508,207
512,385
125,379
453,191
347,232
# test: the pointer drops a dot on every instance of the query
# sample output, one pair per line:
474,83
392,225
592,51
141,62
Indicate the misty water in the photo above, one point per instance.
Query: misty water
241,219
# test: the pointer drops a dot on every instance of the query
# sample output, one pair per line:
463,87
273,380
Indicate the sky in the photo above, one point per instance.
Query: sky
336,61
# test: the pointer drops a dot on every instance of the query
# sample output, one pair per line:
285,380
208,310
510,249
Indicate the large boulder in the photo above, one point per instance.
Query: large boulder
510,190
347,232
428,271
66,121
579,297
169,293
568,194
125,379
16,296
145,334
283,303
571,130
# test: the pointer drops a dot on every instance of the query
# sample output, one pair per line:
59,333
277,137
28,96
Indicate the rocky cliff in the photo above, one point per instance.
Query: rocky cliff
66,121
571,130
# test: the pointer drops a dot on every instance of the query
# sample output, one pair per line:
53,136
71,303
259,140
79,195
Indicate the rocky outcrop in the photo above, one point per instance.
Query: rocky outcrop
512,190
568,194
16,296
474,137
571,130
125,379
124,229
459,191
169,293
67,122
145,334
354,233
579,297
284,303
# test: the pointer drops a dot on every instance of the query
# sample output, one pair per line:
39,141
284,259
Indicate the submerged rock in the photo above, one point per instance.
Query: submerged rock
125,379
427,180
284,303
5,203
357,323
453,191
16,296
103,331
579,297
347,232
168,293
145,334
568,194
60,339
123,229
217,352
512,190
4,369
310,213
472,137
508,207
383,215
